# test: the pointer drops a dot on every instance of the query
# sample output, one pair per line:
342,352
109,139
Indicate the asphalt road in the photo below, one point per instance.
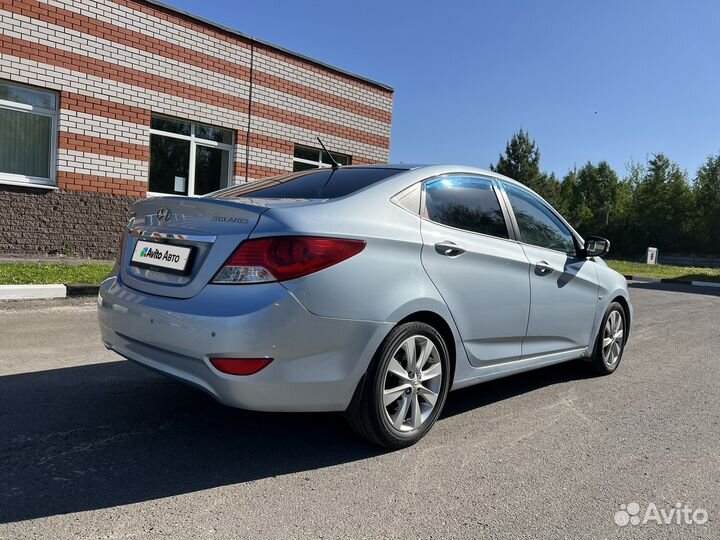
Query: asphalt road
95,447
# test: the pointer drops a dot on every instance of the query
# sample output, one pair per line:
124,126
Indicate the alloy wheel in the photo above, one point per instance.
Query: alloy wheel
412,383
613,338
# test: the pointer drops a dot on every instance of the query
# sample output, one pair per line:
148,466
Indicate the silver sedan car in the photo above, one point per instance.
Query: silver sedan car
371,290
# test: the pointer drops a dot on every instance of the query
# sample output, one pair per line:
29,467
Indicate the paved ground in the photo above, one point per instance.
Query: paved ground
95,447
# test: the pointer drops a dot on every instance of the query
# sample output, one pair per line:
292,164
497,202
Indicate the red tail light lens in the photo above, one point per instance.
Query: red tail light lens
240,366
285,257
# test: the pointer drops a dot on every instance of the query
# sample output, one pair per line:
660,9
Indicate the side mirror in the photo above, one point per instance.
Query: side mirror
596,246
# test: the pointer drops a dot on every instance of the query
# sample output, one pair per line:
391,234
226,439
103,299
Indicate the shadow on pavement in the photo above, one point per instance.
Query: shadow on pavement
109,434
467,399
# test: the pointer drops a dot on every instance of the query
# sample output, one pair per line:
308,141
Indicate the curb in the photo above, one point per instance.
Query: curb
46,292
671,280
32,292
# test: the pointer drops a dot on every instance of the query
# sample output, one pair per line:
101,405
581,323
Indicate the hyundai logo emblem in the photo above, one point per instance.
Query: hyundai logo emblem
163,214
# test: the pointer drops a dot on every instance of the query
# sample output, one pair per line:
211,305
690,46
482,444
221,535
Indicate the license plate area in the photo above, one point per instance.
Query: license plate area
162,257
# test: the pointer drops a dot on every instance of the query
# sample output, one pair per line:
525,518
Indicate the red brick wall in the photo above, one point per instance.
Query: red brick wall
115,62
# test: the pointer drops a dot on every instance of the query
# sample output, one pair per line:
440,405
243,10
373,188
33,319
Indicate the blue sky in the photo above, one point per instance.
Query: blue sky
590,80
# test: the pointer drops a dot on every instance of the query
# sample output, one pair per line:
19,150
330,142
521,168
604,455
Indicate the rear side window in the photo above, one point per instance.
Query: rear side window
314,184
538,225
465,202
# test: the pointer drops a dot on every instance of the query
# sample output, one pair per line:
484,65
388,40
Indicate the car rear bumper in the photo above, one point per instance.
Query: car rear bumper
317,361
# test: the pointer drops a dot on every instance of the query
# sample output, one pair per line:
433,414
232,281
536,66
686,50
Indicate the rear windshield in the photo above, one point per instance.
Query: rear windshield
314,184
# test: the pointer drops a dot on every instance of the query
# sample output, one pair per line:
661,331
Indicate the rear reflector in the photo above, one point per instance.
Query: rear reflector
240,366
280,258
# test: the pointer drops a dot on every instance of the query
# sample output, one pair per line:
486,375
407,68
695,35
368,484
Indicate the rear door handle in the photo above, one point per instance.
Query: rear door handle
543,267
449,249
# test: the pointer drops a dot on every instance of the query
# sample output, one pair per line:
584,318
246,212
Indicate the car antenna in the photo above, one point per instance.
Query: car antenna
335,165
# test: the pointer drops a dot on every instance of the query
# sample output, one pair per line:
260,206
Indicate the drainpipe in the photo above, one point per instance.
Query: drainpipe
250,96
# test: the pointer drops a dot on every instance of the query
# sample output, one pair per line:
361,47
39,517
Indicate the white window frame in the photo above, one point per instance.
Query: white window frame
194,142
318,164
35,181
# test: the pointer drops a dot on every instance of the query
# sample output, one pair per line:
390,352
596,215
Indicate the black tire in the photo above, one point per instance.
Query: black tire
371,420
602,362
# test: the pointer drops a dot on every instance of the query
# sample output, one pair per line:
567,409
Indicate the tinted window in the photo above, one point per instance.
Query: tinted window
465,202
538,224
315,184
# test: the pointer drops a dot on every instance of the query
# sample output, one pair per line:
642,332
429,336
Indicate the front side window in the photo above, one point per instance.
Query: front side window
465,202
187,158
306,158
28,127
539,226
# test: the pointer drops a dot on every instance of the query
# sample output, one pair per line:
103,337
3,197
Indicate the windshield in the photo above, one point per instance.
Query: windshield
314,184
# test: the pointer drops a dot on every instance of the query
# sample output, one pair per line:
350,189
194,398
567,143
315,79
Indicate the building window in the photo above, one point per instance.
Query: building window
187,158
313,158
28,134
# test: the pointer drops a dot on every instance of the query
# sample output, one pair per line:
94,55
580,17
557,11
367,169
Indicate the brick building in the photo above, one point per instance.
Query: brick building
105,101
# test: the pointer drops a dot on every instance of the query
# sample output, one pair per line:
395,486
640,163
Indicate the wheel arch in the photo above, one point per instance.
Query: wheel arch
628,313
620,297
426,316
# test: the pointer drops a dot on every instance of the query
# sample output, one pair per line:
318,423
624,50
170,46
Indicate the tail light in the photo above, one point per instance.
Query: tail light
281,258
240,366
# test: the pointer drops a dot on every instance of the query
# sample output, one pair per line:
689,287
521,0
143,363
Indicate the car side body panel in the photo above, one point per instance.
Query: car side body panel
564,297
491,309
373,284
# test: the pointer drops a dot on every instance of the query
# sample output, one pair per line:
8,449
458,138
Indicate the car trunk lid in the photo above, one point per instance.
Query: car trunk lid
206,229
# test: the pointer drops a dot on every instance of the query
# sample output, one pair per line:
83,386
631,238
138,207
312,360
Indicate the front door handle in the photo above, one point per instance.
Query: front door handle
449,249
543,267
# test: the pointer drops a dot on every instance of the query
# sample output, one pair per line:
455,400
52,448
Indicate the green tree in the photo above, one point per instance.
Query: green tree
570,203
598,189
636,172
521,162
550,189
654,205
706,191
595,201
662,207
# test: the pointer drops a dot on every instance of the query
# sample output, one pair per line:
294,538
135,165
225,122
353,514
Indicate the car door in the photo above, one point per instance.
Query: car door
563,286
480,271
